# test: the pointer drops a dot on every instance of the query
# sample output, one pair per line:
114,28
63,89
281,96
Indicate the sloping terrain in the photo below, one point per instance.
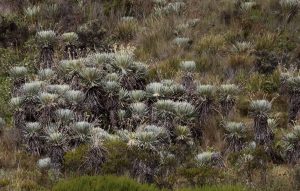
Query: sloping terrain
172,93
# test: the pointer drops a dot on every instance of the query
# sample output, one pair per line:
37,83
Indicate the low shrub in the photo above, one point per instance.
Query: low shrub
118,159
217,188
200,176
113,183
263,83
102,183
4,97
74,159
243,105
4,183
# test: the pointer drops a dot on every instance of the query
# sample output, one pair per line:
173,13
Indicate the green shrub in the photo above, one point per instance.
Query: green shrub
200,176
243,105
14,32
112,183
264,83
271,83
102,183
4,183
217,188
118,158
73,159
8,59
4,98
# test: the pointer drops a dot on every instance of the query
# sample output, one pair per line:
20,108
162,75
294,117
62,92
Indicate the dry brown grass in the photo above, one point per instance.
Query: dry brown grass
17,168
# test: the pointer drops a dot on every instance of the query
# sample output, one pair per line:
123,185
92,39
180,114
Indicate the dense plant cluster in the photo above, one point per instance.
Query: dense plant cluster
104,98
178,93
111,183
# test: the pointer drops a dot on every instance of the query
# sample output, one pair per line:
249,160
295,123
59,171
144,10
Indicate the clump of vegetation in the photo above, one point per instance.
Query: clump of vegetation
235,135
260,110
46,41
127,28
291,145
162,91
109,183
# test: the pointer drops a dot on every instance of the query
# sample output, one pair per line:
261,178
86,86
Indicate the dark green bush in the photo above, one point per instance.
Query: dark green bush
200,176
4,182
243,105
13,31
113,183
216,188
73,159
102,183
8,59
4,98
118,159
